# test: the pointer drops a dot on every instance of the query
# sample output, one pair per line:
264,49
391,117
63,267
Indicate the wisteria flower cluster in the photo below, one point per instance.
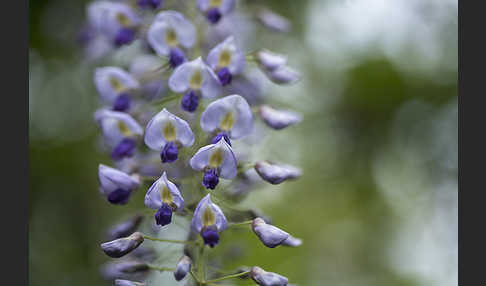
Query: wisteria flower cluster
179,123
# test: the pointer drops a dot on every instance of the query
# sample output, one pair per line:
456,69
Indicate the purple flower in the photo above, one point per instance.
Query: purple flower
165,197
169,32
165,133
114,86
231,115
121,246
278,119
227,60
216,160
116,21
116,185
208,221
195,79
120,130
215,9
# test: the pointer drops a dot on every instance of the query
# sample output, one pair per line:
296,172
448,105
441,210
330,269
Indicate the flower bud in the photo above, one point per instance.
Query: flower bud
274,21
284,75
278,119
276,173
270,61
183,267
264,278
125,228
292,241
119,282
270,235
120,247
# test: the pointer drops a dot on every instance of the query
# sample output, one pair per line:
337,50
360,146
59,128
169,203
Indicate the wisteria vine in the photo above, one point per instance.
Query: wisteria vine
190,88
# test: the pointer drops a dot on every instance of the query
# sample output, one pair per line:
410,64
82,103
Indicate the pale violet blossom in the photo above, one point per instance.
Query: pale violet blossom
115,86
120,131
215,160
215,9
116,185
164,196
208,221
166,133
227,60
169,33
194,79
230,116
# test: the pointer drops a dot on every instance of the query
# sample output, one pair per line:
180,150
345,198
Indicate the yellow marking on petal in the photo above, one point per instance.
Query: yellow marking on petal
214,3
216,158
116,84
124,128
171,37
165,195
170,132
196,80
208,217
123,20
227,122
224,58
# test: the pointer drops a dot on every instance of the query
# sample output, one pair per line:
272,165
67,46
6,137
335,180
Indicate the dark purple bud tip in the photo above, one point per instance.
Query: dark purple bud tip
124,149
210,236
122,102
219,136
154,4
225,76
124,36
119,197
210,179
176,57
213,15
164,215
170,153
190,101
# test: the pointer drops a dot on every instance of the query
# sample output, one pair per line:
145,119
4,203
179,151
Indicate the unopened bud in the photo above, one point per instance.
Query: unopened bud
120,247
119,282
270,235
125,228
292,241
264,278
276,173
183,267
278,119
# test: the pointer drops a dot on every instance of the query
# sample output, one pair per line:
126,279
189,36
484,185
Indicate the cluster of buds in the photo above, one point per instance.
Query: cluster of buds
173,122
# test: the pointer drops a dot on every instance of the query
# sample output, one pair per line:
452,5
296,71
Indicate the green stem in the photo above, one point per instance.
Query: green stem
155,267
240,223
200,267
169,240
228,277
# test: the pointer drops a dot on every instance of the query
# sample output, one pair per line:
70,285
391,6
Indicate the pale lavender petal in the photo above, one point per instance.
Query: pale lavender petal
111,81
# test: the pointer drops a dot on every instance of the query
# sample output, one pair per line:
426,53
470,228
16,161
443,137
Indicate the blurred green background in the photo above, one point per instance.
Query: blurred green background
377,204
